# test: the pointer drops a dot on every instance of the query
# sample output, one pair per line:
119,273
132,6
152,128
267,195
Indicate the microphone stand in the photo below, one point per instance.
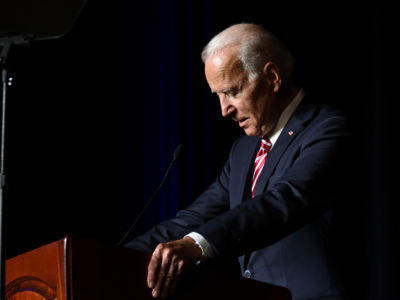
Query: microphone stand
177,153
6,44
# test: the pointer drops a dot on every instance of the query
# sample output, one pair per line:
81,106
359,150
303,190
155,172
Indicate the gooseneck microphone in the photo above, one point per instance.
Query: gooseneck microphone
177,153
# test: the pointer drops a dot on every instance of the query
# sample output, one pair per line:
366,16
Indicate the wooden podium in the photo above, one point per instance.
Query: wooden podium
76,268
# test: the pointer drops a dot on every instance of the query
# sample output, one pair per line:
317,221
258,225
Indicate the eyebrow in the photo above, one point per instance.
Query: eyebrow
225,90
230,89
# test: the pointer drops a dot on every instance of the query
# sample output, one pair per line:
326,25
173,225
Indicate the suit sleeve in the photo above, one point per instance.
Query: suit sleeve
300,194
213,202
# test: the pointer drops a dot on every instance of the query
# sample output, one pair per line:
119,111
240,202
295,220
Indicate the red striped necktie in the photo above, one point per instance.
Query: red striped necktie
259,163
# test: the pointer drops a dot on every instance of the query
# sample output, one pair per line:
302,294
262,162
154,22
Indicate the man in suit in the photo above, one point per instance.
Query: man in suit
273,205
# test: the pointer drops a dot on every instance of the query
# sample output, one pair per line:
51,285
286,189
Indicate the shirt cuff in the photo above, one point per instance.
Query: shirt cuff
204,245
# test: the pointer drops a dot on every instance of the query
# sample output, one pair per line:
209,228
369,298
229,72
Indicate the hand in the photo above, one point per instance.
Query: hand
167,263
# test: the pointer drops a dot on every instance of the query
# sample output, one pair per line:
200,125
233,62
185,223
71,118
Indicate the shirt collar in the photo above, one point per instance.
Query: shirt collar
285,116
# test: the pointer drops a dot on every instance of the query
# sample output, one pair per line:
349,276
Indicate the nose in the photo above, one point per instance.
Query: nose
226,106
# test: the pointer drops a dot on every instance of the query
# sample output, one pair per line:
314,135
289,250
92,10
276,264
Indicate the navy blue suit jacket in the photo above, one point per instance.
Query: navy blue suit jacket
286,235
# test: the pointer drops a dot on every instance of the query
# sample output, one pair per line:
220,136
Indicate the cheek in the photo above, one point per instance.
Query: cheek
258,101
258,108
245,107
262,104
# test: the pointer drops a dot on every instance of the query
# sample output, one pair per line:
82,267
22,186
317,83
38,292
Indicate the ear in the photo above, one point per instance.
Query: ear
273,75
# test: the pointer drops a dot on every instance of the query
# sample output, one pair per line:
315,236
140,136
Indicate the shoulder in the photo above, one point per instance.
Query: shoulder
316,123
331,117
327,111
328,127
315,115
320,110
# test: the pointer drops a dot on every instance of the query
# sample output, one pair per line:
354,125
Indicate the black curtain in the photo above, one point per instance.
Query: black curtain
76,117
64,134
344,57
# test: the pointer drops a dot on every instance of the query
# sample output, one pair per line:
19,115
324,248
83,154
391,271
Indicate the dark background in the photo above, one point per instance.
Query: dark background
94,117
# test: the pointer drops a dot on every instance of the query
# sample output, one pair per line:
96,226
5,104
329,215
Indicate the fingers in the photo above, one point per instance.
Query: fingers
169,278
162,271
178,272
165,274
167,263
152,269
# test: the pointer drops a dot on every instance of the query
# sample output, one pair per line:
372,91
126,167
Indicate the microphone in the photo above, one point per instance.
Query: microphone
177,154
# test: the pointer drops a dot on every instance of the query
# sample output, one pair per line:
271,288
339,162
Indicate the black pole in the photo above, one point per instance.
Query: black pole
5,44
4,81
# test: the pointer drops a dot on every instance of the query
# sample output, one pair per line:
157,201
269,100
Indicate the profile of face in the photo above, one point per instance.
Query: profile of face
253,104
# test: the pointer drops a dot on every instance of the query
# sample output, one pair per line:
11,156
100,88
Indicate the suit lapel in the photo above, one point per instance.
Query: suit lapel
294,126
247,172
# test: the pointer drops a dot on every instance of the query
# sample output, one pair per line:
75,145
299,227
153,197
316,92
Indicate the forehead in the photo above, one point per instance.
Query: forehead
224,70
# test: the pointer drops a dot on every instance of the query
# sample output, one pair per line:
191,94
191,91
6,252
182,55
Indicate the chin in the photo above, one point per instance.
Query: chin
250,132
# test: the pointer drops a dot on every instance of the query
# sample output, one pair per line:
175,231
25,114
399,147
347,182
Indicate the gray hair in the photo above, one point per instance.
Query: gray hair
256,47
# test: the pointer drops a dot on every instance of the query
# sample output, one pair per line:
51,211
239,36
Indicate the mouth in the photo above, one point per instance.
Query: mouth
242,122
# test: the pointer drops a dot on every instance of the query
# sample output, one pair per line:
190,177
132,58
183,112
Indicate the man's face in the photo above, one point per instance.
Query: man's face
253,105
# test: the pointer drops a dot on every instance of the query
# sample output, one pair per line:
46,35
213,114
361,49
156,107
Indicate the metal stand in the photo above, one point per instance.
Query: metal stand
5,44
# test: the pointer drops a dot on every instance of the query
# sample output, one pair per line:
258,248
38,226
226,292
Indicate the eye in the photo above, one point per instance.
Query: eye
233,92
